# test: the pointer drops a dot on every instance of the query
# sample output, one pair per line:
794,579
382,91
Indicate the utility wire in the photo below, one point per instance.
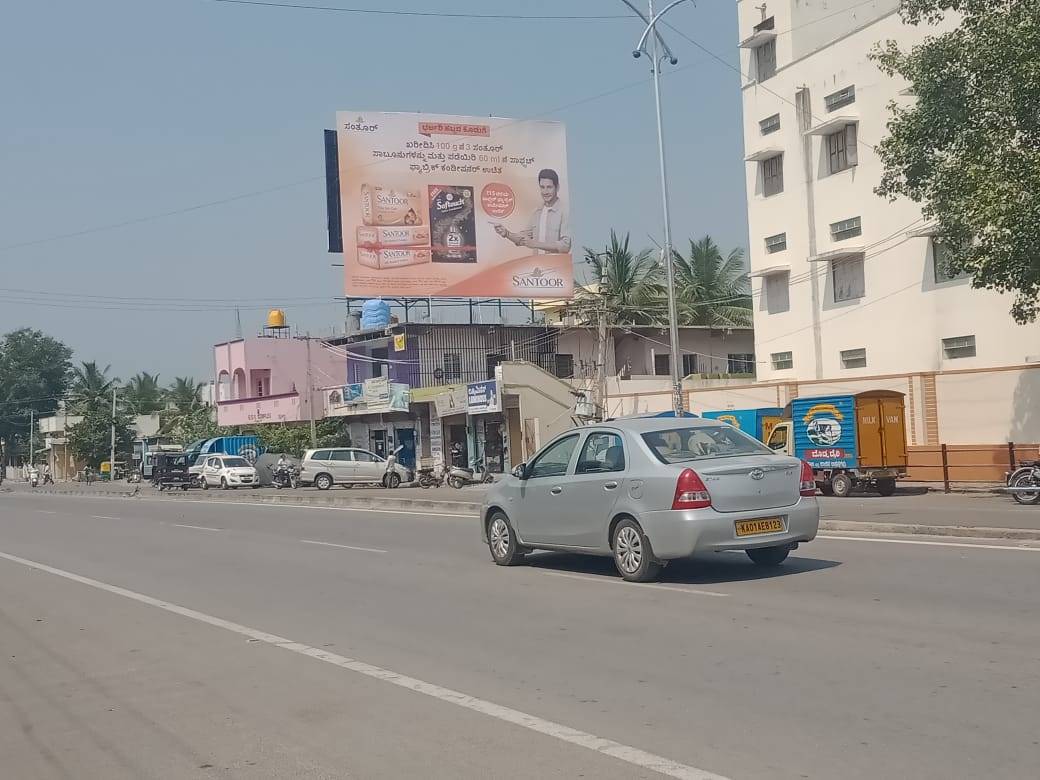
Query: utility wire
436,14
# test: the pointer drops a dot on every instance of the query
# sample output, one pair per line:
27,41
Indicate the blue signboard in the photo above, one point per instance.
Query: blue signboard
750,421
483,397
825,431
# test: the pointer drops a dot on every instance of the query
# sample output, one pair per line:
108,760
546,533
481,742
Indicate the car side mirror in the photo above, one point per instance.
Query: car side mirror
520,472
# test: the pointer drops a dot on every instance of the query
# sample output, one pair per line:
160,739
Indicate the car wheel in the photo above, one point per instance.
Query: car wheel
223,483
505,551
323,482
203,483
886,487
769,556
393,481
841,485
632,553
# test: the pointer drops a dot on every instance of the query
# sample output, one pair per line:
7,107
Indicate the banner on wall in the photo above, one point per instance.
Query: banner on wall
434,205
451,402
370,397
483,397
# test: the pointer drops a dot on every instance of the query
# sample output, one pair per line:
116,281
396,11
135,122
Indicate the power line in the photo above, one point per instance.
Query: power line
436,14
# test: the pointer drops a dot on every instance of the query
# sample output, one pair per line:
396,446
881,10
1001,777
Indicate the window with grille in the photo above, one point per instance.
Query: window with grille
741,363
452,368
841,149
959,347
778,293
689,365
777,243
770,124
782,360
848,279
854,358
773,175
565,366
662,365
842,97
941,256
847,228
765,60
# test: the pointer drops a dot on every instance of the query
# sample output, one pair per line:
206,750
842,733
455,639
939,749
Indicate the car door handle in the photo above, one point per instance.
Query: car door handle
610,485
556,490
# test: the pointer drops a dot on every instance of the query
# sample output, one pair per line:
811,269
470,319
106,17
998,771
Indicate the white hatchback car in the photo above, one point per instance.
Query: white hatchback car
225,471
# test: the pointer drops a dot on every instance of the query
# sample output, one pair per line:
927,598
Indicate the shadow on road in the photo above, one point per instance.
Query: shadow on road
702,570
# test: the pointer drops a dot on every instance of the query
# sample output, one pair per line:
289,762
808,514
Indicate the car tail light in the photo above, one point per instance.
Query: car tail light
808,481
690,492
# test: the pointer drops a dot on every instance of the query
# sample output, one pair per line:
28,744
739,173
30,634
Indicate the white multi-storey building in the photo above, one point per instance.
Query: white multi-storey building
850,289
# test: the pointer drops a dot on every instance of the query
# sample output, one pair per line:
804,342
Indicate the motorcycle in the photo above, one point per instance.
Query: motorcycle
431,477
34,478
286,477
1024,483
459,477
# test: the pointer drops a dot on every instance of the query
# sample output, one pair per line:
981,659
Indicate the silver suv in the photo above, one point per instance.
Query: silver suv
349,466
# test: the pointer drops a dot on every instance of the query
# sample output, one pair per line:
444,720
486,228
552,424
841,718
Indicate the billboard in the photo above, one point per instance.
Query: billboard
447,206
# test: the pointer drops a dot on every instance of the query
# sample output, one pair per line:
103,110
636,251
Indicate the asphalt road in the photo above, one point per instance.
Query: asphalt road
167,639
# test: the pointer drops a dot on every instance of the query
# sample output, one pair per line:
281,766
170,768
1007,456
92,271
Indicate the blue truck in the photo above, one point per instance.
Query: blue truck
247,445
754,422
851,441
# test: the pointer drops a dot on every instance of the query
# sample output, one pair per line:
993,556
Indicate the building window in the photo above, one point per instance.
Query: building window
778,293
842,97
689,365
782,360
742,363
380,369
773,175
941,256
565,366
848,279
770,124
841,149
959,347
847,228
765,60
452,368
854,358
777,243
662,365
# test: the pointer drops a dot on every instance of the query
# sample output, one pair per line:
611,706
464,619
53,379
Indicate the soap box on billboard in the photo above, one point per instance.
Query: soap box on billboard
435,205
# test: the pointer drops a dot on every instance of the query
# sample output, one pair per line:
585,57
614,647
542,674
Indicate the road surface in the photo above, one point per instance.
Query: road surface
169,640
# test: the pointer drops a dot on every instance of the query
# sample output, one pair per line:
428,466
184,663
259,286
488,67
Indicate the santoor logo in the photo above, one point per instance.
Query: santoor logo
537,279
360,126
823,424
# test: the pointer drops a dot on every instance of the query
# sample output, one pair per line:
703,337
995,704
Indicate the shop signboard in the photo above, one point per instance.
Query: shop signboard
376,391
374,396
437,205
483,397
453,401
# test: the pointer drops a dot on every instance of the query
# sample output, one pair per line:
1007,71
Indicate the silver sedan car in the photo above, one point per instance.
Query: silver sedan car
650,490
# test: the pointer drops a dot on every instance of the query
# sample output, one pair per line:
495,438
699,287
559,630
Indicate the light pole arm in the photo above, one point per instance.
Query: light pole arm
651,26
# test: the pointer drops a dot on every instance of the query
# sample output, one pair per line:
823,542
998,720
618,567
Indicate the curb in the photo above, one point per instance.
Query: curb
913,529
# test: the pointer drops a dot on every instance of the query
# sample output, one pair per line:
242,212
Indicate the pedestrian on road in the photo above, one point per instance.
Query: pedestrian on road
48,479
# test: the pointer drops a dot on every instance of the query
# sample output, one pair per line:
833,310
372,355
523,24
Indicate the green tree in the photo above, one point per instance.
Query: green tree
90,439
143,394
710,289
191,426
91,387
294,439
185,394
34,376
968,147
624,283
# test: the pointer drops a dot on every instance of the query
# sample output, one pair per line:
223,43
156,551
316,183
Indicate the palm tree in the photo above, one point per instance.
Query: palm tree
90,386
711,290
185,394
627,285
143,393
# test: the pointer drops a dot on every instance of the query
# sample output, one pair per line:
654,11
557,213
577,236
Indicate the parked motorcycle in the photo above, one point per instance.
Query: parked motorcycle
459,477
1024,483
431,477
34,478
286,476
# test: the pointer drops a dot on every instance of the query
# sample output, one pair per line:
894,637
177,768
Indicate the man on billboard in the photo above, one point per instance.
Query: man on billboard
550,230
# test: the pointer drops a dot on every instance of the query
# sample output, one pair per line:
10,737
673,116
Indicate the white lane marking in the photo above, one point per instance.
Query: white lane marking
626,753
678,589
197,527
342,546
928,544
250,505
104,517
45,512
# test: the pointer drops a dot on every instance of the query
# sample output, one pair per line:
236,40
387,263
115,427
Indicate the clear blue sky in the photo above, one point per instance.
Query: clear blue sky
120,109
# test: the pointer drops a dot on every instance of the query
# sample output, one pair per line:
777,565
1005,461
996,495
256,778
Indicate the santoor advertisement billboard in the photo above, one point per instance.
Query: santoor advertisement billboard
454,206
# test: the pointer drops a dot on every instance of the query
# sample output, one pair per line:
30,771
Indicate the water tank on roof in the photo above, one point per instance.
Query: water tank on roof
375,313
276,318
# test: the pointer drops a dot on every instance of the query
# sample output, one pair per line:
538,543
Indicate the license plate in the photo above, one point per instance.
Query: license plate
769,525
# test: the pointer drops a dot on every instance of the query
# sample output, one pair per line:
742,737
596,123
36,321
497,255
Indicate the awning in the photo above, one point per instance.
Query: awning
838,254
832,125
764,154
772,270
760,38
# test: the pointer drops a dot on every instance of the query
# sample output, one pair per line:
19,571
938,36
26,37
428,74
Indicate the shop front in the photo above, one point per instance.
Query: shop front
381,418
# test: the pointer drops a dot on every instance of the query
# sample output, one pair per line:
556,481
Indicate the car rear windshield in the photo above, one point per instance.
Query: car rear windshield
678,445
236,463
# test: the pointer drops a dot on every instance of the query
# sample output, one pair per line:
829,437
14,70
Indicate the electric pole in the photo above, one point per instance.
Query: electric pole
32,444
601,346
310,396
112,458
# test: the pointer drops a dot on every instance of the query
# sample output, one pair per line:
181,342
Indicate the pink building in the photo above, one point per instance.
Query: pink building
269,379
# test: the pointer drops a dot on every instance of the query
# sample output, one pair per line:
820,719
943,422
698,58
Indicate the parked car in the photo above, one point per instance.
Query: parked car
350,466
224,471
650,490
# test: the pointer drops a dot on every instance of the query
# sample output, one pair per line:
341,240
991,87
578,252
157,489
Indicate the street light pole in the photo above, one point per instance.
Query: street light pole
112,457
656,44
